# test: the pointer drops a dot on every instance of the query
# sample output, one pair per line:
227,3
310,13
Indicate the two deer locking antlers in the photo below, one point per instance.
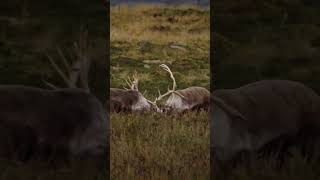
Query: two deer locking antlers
130,100
127,99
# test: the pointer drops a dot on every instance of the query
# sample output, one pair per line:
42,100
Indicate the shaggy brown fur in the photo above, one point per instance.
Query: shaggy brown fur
270,111
35,122
274,104
197,98
130,100
121,100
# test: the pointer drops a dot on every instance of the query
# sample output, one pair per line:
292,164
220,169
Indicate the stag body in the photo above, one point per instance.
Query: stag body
67,122
130,100
38,121
191,98
249,118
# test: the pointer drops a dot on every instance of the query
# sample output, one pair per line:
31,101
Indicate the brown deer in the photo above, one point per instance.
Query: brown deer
62,123
129,100
191,98
265,116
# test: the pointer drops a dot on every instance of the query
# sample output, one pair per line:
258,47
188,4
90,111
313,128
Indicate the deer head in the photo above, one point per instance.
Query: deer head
169,91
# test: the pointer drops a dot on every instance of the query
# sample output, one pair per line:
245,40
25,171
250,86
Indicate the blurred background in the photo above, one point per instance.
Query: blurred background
265,39
30,29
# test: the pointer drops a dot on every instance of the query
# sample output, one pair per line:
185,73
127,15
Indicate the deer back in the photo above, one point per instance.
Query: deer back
191,98
269,110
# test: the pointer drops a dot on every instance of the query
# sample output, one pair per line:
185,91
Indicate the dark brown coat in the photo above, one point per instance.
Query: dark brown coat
36,122
248,118
122,100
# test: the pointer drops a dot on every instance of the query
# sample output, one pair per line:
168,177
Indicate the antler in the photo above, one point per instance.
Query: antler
69,78
133,84
166,68
174,85
79,69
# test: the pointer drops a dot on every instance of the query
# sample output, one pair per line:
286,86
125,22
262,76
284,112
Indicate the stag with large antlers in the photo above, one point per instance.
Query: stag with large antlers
191,98
268,115
129,100
54,124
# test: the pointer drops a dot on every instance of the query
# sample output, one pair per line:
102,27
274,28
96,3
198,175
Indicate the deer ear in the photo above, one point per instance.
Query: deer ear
231,111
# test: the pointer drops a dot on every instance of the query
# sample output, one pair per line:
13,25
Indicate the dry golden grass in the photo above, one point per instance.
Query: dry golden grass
137,23
155,146
142,38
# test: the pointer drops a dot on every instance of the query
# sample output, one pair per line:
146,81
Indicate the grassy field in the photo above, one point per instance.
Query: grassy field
155,146
143,37
257,40
295,168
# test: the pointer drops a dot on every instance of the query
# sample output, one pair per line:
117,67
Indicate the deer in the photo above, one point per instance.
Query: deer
57,123
193,98
265,118
130,100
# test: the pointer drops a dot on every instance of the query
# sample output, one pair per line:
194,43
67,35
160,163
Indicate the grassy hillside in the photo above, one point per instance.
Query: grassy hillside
143,37
155,146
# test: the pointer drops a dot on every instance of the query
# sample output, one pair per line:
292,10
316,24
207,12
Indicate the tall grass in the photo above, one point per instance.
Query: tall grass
156,146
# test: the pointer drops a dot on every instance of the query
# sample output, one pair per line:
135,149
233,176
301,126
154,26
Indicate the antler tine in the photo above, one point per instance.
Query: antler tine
50,85
60,72
63,57
135,74
132,83
145,91
125,88
154,103
128,82
166,68
135,78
